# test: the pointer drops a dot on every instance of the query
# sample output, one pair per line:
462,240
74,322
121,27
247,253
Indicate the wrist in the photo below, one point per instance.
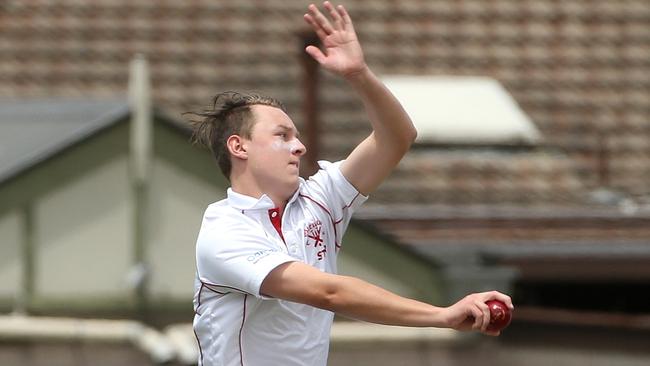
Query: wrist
359,75
430,316
440,317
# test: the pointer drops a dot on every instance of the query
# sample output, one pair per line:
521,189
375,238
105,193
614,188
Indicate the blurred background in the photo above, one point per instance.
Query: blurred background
530,174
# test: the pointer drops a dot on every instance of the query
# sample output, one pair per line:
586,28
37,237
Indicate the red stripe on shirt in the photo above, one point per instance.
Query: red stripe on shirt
243,319
199,343
348,206
208,284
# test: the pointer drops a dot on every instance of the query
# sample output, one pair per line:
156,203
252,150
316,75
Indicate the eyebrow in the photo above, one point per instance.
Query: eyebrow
287,128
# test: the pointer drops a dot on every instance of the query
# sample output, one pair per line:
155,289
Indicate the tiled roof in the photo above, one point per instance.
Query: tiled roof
497,177
580,69
549,242
533,231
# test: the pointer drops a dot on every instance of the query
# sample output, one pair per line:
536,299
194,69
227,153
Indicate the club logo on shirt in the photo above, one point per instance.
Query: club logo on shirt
313,236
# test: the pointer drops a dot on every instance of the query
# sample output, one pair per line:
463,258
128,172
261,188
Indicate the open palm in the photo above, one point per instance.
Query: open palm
341,52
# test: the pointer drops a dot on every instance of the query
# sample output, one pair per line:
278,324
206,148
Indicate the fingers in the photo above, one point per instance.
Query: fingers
334,14
476,307
320,20
493,333
481,314
486,315
496,295
340,19
477,314
316,54
345,17
317,28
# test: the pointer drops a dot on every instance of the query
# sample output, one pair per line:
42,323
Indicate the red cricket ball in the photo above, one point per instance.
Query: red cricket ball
500,315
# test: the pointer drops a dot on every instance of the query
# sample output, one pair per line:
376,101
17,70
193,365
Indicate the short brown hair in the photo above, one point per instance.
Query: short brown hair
229,115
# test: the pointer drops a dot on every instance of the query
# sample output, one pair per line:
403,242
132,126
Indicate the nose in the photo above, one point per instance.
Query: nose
298,148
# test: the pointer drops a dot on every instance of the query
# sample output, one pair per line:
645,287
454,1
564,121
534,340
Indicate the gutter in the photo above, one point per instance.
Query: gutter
177,343
157,345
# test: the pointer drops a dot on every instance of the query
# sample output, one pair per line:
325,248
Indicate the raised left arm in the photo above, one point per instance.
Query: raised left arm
393,132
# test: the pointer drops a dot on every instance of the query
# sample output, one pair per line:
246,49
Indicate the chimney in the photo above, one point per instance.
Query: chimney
141,119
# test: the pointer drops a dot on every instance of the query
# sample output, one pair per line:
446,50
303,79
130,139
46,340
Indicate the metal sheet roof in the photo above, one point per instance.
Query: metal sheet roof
33,130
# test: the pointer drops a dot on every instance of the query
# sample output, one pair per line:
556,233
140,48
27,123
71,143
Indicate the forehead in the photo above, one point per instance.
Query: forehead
268,118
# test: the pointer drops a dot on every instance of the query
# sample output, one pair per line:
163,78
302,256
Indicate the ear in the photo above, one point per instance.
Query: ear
237,147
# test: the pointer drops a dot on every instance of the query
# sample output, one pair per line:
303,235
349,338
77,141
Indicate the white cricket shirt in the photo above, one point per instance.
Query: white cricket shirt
241,240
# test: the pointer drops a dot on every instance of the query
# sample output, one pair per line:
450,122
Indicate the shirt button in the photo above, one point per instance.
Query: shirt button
274,214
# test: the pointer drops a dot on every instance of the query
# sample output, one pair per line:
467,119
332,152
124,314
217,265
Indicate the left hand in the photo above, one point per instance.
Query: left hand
342,52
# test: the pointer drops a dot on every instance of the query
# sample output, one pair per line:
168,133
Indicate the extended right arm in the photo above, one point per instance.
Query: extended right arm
355,298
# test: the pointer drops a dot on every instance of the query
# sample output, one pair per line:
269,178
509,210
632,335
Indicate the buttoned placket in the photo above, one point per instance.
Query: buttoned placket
263,210
288,238
276,221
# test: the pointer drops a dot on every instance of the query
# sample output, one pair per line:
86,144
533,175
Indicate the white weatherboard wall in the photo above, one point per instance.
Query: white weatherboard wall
462,110
351,266
10,254
177,203
84,234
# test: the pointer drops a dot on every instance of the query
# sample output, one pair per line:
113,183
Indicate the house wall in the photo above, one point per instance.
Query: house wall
351,266
82,225
77,214
370,257
176,207
10,255
51,212
83,235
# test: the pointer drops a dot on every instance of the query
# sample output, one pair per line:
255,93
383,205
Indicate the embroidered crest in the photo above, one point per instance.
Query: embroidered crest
313,233
314,237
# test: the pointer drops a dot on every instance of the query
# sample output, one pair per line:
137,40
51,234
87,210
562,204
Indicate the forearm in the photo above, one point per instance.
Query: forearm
390,122
360,300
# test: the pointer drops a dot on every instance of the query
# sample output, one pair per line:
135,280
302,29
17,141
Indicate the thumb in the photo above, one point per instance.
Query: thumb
316,54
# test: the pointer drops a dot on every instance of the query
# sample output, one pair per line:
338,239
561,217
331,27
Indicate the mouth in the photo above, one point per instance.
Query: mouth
295,163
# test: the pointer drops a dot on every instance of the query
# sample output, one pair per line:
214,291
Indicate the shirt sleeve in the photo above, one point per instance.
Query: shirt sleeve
233,256
330,188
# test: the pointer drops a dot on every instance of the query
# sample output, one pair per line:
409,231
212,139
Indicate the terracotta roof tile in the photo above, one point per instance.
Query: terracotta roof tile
480,176
579,69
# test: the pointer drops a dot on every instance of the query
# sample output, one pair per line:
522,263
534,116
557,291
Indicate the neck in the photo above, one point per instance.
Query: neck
251,188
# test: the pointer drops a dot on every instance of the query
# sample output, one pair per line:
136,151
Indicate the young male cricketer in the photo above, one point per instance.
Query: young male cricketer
266,287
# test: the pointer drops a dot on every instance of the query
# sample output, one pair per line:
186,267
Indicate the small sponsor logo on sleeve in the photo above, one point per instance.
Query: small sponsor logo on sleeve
257,256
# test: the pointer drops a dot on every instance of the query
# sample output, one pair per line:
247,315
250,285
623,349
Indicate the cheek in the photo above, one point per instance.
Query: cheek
269,156
280,146
286,146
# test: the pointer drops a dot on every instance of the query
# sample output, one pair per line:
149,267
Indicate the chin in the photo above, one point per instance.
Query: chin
292,185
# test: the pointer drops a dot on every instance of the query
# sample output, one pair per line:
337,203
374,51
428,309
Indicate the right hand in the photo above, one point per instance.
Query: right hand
471,312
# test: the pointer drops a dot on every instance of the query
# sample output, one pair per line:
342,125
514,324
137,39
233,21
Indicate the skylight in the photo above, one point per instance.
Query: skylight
462,110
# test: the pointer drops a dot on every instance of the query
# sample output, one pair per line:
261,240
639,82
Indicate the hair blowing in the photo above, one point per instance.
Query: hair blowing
230,115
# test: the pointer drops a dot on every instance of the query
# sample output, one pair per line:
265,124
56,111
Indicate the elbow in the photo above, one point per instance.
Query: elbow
332,297
409,138
412,135
399,142
328,299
